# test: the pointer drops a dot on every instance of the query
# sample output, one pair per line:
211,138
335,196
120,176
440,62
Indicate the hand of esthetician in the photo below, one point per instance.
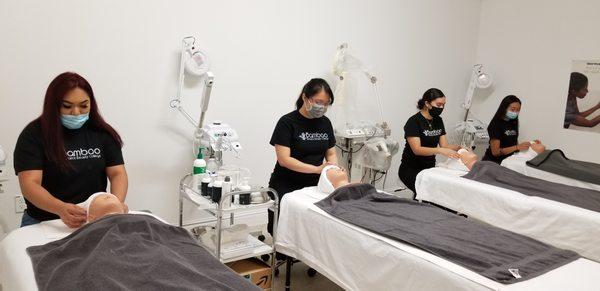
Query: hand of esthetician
449,153
523,146
325,164
72,215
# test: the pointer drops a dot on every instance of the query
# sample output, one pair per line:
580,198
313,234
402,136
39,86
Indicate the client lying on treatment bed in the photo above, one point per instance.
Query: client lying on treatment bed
496,175
497,254
553,165
534,149
102,204
120,251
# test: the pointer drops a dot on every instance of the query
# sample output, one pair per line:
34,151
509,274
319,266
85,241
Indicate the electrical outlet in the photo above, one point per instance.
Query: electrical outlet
20,205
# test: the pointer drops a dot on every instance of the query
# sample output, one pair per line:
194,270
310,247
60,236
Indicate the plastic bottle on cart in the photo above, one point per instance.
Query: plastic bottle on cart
217,190
204,185
211,166
226,188
244,186
198,171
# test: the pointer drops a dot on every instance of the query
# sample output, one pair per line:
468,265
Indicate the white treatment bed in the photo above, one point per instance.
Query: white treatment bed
16,270
558,224
518,163
357,259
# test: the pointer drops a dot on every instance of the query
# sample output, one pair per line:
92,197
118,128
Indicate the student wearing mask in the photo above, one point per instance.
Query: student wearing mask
425,138
504,131
67,154
304,141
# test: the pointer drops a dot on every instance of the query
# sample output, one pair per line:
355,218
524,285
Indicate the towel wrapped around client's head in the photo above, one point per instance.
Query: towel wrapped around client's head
107,204
324,184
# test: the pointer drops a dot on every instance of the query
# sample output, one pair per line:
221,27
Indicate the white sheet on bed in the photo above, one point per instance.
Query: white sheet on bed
552,222
16,271
357,259
518,163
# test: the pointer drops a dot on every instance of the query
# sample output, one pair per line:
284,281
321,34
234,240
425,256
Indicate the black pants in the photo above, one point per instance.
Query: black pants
408,175
283,187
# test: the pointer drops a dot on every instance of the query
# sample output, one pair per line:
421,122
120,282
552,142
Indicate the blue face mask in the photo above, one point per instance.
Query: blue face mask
74,121
512,115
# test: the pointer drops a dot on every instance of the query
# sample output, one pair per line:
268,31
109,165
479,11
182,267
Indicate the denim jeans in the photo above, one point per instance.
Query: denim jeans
28,220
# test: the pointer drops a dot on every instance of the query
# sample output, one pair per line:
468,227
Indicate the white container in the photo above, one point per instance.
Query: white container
198,172
212,167
226,188
243,187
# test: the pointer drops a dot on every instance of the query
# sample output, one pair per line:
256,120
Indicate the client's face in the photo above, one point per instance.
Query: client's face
105,204
468,158
337,177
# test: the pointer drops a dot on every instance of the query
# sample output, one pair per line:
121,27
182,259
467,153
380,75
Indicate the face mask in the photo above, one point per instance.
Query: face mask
435,111
512,115
74,121
316,110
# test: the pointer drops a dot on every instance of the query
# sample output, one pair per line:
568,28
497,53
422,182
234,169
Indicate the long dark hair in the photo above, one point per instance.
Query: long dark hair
430,95
578,81
312,88
52,130
501,112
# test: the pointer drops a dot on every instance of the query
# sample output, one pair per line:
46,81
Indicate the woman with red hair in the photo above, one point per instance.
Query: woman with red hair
67,154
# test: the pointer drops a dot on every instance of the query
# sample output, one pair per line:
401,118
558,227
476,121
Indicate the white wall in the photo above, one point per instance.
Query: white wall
529,46
262,53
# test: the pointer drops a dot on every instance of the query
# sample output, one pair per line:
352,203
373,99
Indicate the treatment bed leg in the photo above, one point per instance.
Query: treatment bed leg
288,272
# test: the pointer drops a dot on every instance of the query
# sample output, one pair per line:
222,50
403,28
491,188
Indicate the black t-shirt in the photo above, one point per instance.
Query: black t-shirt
507,131
308,140
429,131
89,150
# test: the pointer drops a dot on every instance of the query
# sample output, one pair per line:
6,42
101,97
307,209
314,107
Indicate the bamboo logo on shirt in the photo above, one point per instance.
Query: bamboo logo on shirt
84,154
313,136
510,132
434,132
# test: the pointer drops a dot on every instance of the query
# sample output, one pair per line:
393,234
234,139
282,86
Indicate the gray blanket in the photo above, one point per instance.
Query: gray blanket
484,249
130,252
494,174
556,162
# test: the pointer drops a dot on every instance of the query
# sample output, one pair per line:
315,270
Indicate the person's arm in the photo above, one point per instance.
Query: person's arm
31,188
285,160
498,151
415,145
583,122
331,156
117,175
444,143
590,111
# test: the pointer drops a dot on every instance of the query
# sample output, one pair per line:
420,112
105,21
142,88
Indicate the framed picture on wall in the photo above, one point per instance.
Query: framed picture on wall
582,111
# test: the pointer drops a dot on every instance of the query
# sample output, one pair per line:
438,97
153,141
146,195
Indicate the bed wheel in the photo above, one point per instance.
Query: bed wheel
311,272
261,237
265,258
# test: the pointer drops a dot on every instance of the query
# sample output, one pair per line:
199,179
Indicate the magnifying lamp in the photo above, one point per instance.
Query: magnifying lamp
483,80
479,79
196,61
